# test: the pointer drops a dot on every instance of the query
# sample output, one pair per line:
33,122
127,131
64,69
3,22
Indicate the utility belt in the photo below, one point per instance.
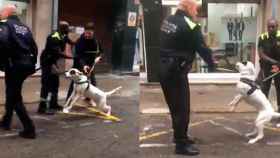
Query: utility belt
251,83
182,58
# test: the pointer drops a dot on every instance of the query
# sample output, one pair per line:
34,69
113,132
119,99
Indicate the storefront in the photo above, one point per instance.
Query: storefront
231,29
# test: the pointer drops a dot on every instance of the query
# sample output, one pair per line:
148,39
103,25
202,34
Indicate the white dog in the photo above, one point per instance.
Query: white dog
252,94
82,87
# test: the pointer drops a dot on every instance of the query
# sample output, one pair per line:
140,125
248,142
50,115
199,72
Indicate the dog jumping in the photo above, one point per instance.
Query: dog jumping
249,91
82,87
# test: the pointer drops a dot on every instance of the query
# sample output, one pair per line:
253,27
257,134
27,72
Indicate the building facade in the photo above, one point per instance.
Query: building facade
231,29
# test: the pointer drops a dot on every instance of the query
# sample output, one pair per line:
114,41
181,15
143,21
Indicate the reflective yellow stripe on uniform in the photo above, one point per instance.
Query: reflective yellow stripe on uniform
56,35
264,35
278,33
4,20
190,22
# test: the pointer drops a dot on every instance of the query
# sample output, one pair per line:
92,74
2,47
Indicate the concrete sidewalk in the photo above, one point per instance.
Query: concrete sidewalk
204,98
106,82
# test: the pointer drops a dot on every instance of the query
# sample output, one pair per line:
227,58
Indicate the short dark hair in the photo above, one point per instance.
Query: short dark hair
89,26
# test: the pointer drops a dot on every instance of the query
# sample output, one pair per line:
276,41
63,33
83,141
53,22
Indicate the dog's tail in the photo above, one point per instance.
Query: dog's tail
113,91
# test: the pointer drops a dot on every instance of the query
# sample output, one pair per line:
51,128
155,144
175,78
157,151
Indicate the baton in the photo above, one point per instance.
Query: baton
271,76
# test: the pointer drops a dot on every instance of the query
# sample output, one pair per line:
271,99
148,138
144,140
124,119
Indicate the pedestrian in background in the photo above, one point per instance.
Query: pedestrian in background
20,51
87,49
181,38
54,50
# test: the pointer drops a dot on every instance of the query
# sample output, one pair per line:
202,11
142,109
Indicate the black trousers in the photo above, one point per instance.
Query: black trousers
14,80
49,84
175,86
265,86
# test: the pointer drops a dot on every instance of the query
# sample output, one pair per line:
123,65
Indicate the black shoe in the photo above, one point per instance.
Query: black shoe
186,149
4,126
28,134
188,140
42,108
56,107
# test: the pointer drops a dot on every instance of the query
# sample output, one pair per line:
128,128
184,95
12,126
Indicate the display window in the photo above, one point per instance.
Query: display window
230,30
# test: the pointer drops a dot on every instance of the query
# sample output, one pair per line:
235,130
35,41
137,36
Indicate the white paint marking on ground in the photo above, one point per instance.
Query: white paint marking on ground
48,119
68,126
273,143
12,134
152,145
226,127
86,124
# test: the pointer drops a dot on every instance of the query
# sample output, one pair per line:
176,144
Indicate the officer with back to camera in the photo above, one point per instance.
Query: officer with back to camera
54,49
181,37
20,53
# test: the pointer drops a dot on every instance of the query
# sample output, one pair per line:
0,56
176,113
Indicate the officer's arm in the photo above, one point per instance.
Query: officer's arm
203,50
55,48
79,53
262,54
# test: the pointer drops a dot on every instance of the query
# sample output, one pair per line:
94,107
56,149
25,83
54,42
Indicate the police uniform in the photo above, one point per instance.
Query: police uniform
53,51
271,48
180,37
86,50
21,51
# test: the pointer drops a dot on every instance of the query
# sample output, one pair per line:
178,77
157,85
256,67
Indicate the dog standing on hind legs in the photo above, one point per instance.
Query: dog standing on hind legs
248,90
82,87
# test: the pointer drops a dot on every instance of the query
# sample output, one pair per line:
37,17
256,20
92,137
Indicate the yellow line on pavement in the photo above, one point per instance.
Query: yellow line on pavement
272,128
157,134
101,114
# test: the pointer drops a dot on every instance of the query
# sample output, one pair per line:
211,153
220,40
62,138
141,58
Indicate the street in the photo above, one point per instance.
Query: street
71,136
218,132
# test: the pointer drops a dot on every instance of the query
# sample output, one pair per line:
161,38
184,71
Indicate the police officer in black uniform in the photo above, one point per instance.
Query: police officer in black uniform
87,49
269,52
181,37
21,51
53,51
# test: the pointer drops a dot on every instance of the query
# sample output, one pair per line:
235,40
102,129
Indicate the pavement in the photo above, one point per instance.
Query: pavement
72,136
218,132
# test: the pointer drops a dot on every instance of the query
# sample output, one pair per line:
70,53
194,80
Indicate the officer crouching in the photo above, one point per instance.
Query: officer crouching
18,54
181,38
53,51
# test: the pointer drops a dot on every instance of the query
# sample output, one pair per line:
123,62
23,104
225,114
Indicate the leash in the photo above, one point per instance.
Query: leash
271,76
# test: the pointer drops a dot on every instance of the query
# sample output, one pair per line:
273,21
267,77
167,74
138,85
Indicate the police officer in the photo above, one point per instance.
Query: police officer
181,37
87,49
269,52
17,42
53,51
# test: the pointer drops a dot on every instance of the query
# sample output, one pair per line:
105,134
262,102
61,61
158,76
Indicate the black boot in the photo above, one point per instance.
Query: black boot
4,125
43,109
28,134
186,149
53,103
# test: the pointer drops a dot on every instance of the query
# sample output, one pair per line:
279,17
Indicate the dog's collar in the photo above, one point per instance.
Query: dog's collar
82,82
252,83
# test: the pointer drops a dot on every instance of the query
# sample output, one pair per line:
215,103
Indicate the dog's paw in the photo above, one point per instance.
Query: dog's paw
252,141
278,125
65,111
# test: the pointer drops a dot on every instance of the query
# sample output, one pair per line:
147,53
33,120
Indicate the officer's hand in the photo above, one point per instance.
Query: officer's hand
86,69
275,68
98,59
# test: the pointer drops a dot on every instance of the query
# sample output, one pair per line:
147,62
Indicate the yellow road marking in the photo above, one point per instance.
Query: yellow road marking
157,134
98,114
